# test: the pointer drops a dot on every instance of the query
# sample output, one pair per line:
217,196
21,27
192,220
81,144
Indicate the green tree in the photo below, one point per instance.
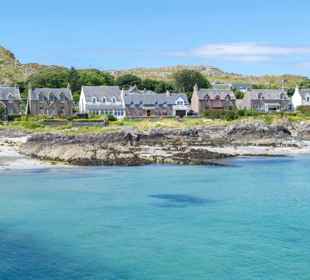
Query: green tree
305,83
55,77
128,80
94,77
239,94
74,80
157,86
185,80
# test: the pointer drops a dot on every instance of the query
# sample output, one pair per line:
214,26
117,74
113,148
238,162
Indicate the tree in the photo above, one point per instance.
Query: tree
239,94
305,83
74,80
128,80
55,77
94,77
157,86
185,80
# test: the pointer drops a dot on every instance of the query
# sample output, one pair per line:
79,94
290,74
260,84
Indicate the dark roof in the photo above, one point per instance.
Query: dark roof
214,93
271,94
48,92
151,98
102,91
11,93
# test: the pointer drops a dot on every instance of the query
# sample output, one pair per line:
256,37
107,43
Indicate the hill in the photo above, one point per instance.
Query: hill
12,71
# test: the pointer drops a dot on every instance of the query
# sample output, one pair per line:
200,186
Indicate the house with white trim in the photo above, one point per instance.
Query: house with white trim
301,97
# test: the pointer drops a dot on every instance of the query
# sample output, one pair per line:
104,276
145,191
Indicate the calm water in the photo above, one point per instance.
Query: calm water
247,221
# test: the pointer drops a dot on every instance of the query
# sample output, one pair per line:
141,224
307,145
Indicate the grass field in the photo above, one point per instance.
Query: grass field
39,125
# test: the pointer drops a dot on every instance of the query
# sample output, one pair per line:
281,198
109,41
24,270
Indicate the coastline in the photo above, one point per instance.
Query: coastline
12,159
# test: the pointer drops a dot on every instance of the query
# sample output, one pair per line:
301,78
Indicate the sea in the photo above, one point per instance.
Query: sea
248,219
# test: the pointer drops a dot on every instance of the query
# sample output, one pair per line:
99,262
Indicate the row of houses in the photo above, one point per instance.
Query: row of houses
135,103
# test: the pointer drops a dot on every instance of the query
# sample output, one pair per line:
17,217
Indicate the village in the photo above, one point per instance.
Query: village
134,103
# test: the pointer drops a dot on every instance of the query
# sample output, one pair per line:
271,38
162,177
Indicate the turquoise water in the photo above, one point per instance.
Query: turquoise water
250,220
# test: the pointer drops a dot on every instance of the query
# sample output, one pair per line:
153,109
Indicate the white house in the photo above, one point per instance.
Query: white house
301,97
102,100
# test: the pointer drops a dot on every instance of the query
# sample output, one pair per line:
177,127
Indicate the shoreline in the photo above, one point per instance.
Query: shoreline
209,145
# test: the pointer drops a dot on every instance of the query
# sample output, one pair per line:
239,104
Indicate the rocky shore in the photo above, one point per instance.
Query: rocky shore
199,145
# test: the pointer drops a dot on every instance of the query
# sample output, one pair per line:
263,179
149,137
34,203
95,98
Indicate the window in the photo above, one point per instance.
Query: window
180,101
41,97
308,98
62,97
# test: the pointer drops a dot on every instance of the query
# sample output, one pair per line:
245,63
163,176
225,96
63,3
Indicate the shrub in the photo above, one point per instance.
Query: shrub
111,118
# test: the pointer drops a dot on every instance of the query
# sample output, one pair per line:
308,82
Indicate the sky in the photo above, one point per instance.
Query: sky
248,37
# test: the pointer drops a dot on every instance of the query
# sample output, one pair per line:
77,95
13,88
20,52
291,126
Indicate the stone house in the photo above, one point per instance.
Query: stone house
212,99
151,104
10,101
102,100
266,100
301,97
50,102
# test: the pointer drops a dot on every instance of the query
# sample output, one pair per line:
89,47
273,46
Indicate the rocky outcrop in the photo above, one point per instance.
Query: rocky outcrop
175,146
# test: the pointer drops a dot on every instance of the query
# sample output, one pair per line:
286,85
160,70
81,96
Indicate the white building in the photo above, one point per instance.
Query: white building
102,100
301,97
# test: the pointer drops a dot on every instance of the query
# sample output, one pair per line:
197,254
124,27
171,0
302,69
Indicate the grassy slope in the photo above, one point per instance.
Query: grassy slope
12,71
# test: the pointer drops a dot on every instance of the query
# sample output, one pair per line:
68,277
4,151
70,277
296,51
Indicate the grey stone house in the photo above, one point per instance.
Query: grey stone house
50,102
212,99
102,100
266,100
10,101
151,104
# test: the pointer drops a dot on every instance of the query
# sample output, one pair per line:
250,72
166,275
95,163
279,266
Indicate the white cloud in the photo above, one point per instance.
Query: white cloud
245,52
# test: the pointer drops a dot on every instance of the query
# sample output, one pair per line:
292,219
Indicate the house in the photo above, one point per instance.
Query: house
50,101
212,99
266,100
102,100
241,87
221,86
10,101
150,104
301,97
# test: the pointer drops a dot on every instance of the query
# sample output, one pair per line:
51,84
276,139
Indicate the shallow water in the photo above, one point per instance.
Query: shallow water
247,221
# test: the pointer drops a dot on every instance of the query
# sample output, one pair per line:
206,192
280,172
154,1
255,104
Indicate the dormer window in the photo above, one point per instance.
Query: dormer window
206,97
180,102
282,96
260,96
62,97
41,97
308,98
94,100
227,97
104,100
113,99
217,97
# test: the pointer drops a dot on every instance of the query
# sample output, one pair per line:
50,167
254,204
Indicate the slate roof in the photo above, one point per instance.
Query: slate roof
6,92
241,86
102,91
267,94
221,86
150,98
213,93
48,92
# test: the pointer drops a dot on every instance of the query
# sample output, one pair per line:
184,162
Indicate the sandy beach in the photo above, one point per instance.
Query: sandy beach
11,159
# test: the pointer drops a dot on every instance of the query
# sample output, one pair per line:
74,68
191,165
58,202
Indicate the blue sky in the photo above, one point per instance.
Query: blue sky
251,37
